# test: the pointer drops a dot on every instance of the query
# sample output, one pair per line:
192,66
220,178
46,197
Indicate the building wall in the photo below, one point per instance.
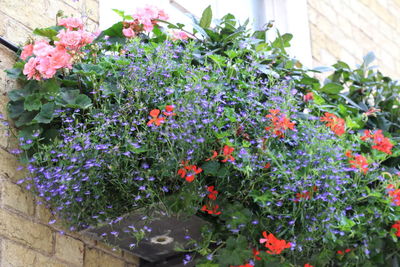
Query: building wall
348,29
26,238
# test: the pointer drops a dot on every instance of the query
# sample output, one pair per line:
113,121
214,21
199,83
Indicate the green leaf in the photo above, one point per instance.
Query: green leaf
26,118
332,88
218,59
114,32
33,102
51,86
15,109
211,167
121,13
346,224
83,101
46,114
266,70
18,94
282,41
28,132
206,18
323,69
14,73
73,99
208,265
230,114
46,32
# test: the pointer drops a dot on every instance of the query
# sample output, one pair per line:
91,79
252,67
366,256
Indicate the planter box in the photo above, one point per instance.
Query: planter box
168,232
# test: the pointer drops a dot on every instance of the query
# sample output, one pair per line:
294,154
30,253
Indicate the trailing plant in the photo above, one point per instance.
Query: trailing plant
212,123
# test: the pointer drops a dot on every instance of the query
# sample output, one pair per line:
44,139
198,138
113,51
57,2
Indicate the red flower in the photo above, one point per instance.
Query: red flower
340,252
280,123
397,227
395,194
336,124
211,210
169,110
155,119
299,196
189,171
215,154
275,246
306,195
308,97
246,265
213,193
349,154
359,162
227,154
256,253
308,265
381,142
267,166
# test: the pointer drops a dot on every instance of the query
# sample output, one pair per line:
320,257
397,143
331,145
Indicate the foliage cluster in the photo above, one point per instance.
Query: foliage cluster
223,125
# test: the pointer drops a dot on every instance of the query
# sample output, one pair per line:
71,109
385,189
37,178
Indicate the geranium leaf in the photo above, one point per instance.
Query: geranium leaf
206,18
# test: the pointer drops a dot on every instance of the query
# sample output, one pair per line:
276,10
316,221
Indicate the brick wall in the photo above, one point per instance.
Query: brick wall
348,29
26,238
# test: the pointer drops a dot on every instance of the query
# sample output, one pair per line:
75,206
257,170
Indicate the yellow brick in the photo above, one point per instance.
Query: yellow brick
13,255
44,15
69,249
15,197
132,259
87,7
43,214
12,30
97,258
22,230
8,165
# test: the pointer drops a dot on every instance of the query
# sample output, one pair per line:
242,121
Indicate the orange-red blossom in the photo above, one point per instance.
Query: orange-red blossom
189,171
275,245
336,124
280,123
226,154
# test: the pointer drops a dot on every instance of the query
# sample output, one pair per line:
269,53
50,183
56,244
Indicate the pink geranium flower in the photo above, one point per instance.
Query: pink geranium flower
129,33
30,69
27,51
71,23
42,48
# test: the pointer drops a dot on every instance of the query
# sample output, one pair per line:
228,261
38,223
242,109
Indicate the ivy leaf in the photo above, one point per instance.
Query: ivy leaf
33,102
46,113
206,18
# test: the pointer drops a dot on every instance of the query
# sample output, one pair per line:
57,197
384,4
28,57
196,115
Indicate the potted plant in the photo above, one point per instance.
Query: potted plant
151,137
